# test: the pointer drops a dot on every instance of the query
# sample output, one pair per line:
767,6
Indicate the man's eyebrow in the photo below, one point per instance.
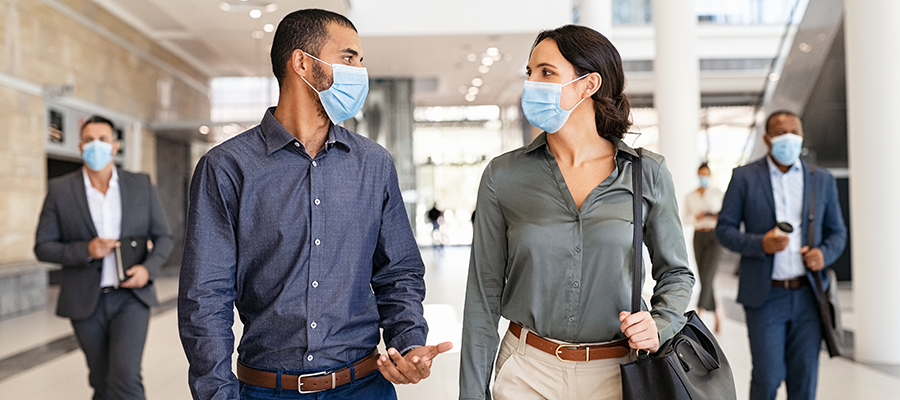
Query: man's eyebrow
350,51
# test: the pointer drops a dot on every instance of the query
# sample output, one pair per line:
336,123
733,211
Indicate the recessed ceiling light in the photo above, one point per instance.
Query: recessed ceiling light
483,69
473,90
470,97
492,51
471,57
477,82
258,34
487,61
255,13
204,130
269,28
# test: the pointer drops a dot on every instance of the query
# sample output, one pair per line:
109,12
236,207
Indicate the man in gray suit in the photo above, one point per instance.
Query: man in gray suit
92,220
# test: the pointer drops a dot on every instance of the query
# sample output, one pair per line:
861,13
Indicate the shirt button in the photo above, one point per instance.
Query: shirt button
313,325
317,202
309,357
296,144
318,242
577,218
577,249
575,284
571,319
315,284
314,164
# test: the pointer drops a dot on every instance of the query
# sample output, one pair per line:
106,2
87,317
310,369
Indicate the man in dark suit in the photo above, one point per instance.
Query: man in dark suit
87,215
780,304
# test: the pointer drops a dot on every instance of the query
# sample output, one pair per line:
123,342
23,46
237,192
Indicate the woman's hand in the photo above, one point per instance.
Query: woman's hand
641,330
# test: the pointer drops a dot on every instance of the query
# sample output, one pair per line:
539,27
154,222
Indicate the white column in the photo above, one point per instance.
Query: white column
677,94
873,96
133,145
596,14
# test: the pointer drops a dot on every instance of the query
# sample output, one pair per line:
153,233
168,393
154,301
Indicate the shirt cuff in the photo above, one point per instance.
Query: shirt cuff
408,341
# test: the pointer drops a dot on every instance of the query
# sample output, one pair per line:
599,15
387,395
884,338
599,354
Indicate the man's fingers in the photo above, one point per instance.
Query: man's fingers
390,371
444,347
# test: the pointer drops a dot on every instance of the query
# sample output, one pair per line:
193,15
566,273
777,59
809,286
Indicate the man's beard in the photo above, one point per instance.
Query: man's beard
322,80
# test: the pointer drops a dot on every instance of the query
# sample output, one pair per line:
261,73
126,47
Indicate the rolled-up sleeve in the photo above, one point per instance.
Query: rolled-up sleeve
207,290
664,237
398,277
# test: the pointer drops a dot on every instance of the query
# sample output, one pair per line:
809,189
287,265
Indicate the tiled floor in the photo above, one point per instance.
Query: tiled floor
65,376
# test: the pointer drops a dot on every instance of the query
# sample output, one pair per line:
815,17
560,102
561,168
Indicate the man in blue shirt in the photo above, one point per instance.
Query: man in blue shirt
776,265
299,224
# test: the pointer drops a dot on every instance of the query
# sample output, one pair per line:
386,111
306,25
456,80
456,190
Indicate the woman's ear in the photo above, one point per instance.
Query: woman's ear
592,83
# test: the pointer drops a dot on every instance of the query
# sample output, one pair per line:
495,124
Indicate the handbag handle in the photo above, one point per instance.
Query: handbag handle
637,254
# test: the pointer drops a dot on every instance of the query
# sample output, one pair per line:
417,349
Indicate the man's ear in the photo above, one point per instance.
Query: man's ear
299,63
115,149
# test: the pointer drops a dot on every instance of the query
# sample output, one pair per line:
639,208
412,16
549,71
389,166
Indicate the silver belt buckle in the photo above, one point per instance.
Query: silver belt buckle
300,382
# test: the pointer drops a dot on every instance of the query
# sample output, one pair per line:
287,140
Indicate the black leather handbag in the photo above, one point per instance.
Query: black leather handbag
691,365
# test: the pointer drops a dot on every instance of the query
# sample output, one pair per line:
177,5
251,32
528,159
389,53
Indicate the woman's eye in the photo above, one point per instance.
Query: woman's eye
527,73
547,73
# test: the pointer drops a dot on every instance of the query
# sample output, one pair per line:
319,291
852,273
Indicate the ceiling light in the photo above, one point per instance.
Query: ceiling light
204,130
254,13
804,47
470,97
477,82
225,6
483,69
271,7
492,51
258,34
471,57
463,89
487,61
473,90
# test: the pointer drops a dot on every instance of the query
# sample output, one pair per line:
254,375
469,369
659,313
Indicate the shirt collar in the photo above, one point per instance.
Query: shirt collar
773,168
277,137
113,180
541,141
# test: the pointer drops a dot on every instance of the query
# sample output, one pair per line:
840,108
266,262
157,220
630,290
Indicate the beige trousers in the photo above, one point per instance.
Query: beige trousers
523,372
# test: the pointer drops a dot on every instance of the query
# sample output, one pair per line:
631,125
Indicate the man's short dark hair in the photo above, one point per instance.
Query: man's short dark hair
704,165
96,119
778,114
305,30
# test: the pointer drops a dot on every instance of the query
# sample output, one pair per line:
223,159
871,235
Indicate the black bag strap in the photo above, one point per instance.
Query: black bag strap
811,219
637,256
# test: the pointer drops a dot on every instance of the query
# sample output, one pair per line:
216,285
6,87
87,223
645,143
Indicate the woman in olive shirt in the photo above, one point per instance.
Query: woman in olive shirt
553,238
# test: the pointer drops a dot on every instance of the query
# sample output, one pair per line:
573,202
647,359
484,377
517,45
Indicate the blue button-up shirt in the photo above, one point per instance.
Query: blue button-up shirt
316,254
787,191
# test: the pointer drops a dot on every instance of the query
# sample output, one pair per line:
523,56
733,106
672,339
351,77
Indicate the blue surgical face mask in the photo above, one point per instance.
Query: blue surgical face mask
704,180
540,104
96,154
347,93
786,148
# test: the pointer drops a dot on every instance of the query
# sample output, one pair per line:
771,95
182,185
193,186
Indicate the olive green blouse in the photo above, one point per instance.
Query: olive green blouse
562,272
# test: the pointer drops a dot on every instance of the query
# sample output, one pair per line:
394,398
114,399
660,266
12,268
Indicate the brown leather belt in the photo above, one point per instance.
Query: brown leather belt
792,284
308,383
573,353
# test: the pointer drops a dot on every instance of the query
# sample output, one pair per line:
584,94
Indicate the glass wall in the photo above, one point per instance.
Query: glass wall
731,12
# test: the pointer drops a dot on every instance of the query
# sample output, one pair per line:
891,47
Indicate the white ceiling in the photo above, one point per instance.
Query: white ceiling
428,41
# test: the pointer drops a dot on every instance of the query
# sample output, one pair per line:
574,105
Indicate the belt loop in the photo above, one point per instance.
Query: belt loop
278,383
353,375
520,348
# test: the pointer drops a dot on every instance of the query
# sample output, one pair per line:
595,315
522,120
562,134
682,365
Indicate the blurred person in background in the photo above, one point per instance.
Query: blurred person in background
87,216
701,209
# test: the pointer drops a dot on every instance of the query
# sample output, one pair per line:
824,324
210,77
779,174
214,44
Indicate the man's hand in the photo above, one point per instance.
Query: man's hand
99,248
641,330
813,258
138,276
773,243
413,367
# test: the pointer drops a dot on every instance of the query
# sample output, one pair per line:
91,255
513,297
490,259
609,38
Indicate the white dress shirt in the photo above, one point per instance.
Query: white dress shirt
106,212
710,202
787,190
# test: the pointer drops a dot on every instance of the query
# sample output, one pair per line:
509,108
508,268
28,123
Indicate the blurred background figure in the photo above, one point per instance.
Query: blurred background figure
436,217
701,209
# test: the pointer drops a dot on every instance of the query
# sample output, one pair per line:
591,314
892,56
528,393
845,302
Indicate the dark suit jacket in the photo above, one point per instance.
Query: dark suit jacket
749,200
65,229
